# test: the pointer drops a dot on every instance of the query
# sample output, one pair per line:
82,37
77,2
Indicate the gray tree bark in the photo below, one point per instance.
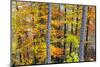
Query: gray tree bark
48,34
82,33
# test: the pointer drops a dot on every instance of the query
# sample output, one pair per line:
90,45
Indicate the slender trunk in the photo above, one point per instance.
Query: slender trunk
48,34
86,45
65,32
86,40
76,27
82,33
19,46
77,21
65,26
71,44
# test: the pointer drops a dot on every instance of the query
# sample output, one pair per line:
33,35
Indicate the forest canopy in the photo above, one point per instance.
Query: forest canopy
45,33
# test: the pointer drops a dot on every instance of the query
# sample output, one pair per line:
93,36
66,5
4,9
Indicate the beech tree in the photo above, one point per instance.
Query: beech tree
48,34
82,33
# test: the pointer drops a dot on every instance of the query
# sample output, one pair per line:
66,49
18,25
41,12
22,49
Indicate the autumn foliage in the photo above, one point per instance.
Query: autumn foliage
30,33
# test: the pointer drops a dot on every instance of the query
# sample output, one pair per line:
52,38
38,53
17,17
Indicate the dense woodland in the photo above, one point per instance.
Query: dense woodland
44,33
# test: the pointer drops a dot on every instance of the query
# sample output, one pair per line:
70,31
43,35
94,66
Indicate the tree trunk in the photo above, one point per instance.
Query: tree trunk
76,31
72,31
71,44
82,33
48,34
86,45
65,26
